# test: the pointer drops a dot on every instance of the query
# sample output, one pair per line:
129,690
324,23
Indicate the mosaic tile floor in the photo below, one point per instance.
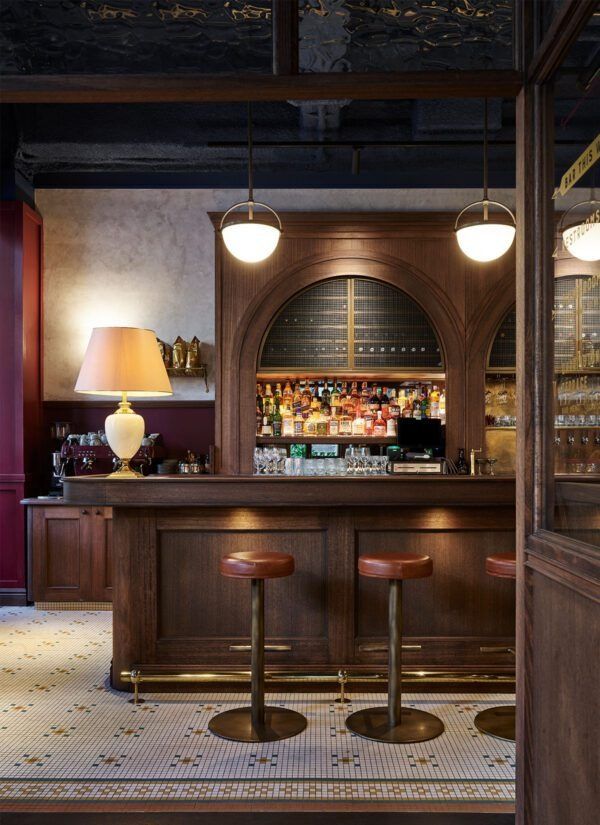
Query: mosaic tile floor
66,735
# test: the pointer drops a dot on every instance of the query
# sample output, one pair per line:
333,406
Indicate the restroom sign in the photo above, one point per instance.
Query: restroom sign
583,164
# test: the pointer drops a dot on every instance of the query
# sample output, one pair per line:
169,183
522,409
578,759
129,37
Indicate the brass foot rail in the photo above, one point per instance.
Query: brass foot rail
136,677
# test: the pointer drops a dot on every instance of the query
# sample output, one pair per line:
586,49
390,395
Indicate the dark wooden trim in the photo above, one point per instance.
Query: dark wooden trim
138,403
570,19
284,491
285,18
148,88
13,596
351,224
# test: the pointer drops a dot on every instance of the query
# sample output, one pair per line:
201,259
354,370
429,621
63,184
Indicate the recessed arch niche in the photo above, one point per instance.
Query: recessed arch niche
351,323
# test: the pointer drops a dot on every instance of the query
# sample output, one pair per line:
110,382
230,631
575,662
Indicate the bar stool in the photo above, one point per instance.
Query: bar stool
257,723
395,724
499,721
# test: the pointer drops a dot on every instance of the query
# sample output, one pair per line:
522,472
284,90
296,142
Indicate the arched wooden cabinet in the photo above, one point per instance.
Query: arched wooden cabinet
407,262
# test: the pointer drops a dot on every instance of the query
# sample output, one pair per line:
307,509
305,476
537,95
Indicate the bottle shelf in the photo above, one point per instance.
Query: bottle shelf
327,439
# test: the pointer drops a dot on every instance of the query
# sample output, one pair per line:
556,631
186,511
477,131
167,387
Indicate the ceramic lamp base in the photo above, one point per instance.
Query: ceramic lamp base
124,433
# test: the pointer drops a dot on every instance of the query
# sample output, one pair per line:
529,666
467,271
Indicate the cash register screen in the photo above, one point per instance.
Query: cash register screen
414,433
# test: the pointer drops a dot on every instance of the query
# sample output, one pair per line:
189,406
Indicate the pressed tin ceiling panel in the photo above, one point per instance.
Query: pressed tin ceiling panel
90,36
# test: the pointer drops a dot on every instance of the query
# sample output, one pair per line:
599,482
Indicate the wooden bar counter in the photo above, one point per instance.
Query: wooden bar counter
174,613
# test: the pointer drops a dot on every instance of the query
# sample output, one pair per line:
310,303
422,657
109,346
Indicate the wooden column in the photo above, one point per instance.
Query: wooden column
20,385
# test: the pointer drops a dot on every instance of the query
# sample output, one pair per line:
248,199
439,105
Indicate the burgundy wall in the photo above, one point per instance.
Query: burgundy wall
20,385
184,425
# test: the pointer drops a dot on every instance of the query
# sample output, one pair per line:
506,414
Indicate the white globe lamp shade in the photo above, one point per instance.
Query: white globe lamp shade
582,240
485,238
250,241
485,241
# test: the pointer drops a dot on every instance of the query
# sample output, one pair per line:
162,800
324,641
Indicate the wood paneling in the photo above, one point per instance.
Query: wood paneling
415,252
295,606
70,553
172,608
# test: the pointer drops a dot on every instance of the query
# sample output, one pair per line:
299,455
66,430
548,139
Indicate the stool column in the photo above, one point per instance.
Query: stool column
395,653
257,666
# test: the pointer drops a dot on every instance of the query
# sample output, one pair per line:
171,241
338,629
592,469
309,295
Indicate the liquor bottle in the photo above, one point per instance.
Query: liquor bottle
267,429
287,424
334,425
416,409
374,403
321,423
288,396
425,405
268,400
369,419
379,426
310,425
277,394
354,394
395,408
434,398
461,463
345,424
325,393
277,420
298,424
385,401
443,406
358,425
391,428
306,398
259,409
336,401
296,398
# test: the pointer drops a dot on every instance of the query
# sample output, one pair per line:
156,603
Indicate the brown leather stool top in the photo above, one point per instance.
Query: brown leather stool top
395,565
256,564
502,565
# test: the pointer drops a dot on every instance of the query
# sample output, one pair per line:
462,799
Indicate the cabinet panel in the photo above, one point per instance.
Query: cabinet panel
71,553
101,553
61,570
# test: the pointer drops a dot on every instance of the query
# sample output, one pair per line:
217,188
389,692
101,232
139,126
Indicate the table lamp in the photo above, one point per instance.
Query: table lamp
123,361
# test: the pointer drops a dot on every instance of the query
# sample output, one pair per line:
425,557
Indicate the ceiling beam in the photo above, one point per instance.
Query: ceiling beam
170,88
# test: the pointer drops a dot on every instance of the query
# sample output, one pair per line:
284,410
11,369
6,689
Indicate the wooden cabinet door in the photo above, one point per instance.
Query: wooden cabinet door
61,553
101,555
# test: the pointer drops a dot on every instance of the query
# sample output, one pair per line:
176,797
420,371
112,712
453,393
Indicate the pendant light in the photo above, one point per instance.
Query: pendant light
582,238
485,238
246,234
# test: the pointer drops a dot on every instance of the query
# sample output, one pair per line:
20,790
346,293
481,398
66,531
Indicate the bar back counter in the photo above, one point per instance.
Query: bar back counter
174,613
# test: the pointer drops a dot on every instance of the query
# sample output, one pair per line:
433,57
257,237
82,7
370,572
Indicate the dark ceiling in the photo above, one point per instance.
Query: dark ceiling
298,143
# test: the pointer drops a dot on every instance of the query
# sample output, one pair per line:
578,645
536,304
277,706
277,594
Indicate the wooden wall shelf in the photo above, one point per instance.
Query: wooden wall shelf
327,439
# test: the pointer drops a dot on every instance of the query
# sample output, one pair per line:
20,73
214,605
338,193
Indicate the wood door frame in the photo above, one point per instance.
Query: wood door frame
542,555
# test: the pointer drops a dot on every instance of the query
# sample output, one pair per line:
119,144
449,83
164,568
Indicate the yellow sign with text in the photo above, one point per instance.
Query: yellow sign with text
584,163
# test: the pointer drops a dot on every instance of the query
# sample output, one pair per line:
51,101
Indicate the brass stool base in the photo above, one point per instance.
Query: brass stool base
498,722
415,726
236,724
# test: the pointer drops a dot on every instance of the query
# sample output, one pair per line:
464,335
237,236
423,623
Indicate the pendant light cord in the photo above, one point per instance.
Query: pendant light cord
485,159
250,164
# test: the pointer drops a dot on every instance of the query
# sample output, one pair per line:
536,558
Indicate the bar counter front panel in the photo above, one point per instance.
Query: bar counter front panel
174,612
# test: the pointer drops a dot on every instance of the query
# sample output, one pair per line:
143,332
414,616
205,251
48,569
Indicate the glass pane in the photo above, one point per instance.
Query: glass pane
136,36
576,308
578,511
387,35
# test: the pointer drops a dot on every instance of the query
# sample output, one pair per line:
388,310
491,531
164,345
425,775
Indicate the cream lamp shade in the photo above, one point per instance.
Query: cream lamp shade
123,361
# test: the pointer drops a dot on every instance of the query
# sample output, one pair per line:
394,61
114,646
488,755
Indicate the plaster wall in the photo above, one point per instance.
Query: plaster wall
145,257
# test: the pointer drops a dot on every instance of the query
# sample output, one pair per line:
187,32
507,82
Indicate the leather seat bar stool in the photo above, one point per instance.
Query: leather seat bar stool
394,723
499,721
257,723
